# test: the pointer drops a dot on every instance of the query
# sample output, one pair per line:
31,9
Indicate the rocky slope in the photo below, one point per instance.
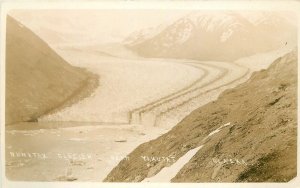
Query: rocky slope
209,35
247,135
37,79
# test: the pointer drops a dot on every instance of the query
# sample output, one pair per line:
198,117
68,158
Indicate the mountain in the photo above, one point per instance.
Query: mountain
142,35
37,79
249,134
210,35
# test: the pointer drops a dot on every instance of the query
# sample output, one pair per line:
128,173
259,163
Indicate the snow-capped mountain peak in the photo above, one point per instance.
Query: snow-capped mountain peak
144,34
203,34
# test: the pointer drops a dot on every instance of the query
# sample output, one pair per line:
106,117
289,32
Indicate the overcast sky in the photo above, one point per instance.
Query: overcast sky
90,27
85,25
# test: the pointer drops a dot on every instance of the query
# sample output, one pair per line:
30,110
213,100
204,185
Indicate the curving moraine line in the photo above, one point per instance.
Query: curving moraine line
220,76
202,93
179,93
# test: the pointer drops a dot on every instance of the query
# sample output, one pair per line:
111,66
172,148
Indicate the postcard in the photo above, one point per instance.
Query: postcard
128,93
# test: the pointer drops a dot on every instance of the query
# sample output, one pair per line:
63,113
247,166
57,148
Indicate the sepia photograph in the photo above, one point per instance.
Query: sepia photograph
142,95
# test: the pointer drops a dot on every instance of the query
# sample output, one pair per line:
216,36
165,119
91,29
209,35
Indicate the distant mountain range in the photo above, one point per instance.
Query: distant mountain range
215,35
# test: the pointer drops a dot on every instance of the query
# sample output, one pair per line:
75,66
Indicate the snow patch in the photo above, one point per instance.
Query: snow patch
226,35
167,173
185,34
217,130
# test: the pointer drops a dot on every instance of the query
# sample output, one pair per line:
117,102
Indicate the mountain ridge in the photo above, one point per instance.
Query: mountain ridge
209,35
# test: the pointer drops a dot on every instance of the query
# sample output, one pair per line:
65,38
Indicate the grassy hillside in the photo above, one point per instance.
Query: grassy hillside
259,145
37,79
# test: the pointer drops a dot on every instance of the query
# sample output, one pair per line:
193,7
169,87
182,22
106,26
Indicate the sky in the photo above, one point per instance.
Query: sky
88,26
85,27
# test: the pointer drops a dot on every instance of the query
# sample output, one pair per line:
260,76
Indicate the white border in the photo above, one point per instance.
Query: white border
180,5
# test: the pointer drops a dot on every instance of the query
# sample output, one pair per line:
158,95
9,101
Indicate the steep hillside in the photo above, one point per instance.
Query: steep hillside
37,79
210,35
248,135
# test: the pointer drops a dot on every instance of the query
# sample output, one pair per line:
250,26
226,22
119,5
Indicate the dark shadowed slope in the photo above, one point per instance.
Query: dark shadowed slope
37,79
258,144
